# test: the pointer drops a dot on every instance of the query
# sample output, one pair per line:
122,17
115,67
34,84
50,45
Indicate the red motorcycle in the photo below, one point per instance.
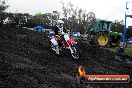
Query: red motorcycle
67,43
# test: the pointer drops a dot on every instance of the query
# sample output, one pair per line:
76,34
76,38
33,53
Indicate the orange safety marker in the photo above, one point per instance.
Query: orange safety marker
81,71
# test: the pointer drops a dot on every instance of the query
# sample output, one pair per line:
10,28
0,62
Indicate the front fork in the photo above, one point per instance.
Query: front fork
71,47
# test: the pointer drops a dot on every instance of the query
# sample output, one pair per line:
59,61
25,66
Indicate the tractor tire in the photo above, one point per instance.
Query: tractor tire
120,43
102,39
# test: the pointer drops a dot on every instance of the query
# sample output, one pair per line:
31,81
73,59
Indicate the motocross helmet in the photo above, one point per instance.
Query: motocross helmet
60,23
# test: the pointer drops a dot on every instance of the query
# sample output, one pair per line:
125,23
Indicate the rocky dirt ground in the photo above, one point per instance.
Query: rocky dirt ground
26,61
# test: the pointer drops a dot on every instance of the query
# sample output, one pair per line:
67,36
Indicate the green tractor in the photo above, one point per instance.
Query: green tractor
101,34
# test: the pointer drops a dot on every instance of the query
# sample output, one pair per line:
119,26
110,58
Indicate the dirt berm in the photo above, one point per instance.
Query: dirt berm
26,61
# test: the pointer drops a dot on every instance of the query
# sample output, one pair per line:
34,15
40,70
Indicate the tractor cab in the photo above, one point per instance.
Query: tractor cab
101,26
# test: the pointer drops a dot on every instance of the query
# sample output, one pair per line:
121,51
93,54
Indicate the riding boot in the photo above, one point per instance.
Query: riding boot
57,50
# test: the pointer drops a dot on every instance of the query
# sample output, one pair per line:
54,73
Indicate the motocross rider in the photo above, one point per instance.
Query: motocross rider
59,31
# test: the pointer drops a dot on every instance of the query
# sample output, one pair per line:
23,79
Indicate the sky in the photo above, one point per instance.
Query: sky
104,9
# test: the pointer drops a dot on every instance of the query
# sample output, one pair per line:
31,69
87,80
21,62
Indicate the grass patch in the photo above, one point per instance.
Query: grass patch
126,52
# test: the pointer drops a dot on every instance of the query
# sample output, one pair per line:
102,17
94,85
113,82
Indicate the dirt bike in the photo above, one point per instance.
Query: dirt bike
69,44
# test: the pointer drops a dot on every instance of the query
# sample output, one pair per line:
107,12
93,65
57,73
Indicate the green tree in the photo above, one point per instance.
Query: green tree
77,19
3,7
129,32
117,26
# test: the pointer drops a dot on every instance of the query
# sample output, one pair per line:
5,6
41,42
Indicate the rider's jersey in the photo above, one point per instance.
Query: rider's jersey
59,31
56,30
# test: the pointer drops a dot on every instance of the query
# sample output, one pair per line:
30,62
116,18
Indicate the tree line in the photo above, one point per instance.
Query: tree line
75,19
119,27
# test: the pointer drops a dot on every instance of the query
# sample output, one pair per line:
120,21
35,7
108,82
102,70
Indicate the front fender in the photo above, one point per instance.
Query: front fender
71,41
